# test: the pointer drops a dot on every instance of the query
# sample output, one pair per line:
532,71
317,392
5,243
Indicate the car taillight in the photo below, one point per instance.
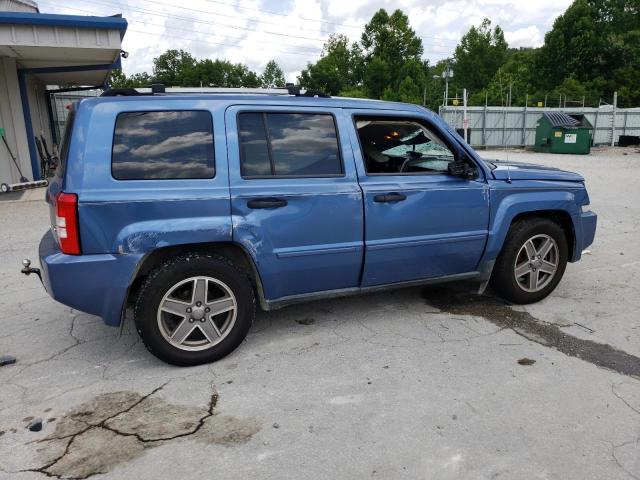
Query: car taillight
67,223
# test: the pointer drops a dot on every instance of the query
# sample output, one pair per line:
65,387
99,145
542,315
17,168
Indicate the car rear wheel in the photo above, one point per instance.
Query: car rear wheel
194,309
532,261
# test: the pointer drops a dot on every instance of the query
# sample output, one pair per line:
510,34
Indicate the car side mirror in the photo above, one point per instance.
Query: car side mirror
461,168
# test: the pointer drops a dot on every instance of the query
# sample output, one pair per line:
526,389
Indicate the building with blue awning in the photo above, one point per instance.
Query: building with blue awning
39,55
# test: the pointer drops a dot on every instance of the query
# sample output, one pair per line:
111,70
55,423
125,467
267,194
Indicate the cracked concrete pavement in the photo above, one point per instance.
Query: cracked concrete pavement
416,383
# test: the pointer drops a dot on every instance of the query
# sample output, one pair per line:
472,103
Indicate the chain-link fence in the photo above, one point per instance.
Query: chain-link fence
60,102
516,126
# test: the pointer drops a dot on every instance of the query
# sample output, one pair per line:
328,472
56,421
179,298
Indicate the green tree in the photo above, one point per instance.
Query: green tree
171,66
388,55
117,79
220,73
597,42
391,39
515,75
378,78
273,76
478,56
339,67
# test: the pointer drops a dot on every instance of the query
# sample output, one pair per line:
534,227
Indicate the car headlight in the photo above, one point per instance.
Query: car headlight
585,209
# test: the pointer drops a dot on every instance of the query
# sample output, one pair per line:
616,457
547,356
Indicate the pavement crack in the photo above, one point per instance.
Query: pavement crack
213,400
619,463
118,427
461,302
622,399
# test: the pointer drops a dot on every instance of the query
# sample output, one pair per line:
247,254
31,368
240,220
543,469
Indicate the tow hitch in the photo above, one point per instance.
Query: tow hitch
28,270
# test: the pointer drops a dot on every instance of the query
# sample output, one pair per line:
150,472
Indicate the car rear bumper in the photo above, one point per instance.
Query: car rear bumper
96,284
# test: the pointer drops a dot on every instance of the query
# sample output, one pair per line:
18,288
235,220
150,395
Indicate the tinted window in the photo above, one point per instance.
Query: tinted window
288,144
163,145
400,146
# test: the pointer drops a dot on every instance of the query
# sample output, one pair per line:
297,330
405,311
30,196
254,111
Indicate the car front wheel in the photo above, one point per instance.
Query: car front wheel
194,309
532,261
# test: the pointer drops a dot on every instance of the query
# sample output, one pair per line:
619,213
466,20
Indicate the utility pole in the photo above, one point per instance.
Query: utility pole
465,120
446,74
446,89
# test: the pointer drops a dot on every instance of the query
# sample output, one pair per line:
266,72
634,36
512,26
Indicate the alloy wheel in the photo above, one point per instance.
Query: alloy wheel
197,313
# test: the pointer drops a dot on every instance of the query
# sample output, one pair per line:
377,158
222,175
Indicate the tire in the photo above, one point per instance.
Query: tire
515,259
171,318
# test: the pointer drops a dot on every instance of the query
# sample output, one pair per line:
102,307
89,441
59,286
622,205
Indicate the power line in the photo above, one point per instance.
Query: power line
236,27
271,12
207,42
154,12
308,55
228,16
312,50
235,17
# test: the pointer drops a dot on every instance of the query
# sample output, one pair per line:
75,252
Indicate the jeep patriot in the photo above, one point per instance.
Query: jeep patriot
191,209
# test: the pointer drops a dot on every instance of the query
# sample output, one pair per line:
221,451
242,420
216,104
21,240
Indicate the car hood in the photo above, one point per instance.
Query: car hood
527,171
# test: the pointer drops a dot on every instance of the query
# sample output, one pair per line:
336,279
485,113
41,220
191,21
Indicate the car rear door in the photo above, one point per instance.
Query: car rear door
420,222
295,200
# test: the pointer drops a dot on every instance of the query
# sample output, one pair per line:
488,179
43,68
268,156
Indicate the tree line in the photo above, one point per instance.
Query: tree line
592,50
178,68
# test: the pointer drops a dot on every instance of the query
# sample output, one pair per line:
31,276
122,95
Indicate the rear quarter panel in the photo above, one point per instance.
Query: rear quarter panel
137,216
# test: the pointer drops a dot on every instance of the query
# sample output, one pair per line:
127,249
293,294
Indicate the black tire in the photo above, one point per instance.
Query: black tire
503,279
168,274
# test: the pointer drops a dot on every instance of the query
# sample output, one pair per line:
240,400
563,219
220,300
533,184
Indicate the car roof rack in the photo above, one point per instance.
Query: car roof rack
160,89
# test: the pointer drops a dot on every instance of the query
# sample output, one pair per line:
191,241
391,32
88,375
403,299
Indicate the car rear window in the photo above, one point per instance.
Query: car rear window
288,145
161,145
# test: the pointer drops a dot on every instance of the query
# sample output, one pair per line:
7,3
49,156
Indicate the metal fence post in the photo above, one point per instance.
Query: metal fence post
613,120
484,124
524,121
595,127
504,126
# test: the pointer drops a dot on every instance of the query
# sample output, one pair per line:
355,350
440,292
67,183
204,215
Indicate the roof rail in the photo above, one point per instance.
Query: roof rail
159,89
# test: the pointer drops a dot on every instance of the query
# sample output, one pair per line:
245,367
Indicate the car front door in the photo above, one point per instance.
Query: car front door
295,200
420,221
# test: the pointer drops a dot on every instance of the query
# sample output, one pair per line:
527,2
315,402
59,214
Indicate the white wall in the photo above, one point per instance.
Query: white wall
12,120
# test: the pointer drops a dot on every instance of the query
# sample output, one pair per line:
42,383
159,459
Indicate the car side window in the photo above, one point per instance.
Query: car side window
288,145
161,145
396,146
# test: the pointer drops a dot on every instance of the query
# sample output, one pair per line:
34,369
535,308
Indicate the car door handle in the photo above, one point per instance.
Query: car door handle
266,203
390,197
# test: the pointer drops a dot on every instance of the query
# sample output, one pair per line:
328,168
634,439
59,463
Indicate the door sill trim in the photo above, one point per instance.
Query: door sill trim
352,291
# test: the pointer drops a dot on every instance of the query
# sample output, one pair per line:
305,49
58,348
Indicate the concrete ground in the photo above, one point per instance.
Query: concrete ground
416,383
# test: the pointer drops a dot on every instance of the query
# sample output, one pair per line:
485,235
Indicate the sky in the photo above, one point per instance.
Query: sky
293,31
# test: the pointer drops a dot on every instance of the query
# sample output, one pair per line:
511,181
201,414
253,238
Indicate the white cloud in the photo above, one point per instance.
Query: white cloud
294,30
525,37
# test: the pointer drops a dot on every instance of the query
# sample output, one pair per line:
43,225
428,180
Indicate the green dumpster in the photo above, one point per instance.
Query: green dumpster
558,132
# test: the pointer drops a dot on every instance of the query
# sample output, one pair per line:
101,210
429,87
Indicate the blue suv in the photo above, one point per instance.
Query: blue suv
190,209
